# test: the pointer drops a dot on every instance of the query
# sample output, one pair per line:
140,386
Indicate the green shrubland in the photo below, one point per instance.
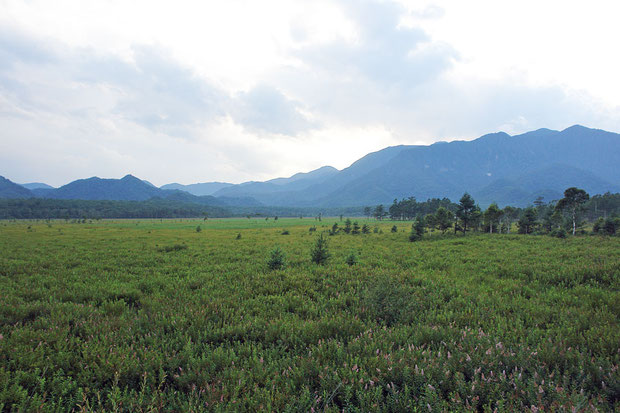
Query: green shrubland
153,315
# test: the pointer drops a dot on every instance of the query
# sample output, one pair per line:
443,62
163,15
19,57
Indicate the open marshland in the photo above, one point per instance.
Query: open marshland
186,315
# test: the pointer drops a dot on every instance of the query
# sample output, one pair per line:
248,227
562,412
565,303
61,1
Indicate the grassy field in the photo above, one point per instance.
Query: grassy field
153,315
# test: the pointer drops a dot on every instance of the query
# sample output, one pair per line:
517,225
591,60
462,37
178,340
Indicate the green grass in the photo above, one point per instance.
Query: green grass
151,315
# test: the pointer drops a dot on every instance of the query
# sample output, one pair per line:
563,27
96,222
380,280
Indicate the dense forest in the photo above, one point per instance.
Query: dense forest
41,208
437,214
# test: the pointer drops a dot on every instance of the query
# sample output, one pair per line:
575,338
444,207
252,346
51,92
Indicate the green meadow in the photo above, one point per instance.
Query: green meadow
154,315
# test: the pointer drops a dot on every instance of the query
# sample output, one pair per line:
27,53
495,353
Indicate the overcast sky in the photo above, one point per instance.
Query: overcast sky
195,91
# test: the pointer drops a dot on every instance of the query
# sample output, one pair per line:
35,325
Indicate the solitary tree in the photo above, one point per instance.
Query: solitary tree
277,259
573,201
319,253
466,210
352,259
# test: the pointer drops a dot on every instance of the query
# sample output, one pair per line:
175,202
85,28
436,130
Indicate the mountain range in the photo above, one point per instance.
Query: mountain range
496,167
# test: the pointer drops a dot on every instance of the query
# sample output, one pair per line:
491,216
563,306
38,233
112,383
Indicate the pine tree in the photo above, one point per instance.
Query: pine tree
320,253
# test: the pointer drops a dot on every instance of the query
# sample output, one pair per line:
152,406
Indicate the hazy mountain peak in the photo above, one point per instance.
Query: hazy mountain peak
198,189
322,171
36,185
495,135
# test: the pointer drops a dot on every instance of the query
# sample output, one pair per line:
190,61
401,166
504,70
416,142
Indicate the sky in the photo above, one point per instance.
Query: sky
231,91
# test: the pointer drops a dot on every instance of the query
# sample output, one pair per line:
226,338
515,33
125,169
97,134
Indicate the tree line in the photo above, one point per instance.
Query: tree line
46,208
40,208
568,215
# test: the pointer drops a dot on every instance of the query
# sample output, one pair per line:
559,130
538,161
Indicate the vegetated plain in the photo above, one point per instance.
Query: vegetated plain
154,315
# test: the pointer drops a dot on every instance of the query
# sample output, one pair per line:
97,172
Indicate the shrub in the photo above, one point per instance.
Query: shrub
285,232
413,237
198,229
276,259
611,226
559,233
352,259
365,229
334,229
394,228
320,253
356,228
170,248
347,226
417,230
387,301
238,236
312,229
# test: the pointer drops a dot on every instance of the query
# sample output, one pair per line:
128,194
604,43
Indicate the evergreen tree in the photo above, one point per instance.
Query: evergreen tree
465,210
611,226
492,216
443,219
417,229
429,220
367,212
379,212
347,226
320,253
352,259
335,229
276,260
527,222
598,225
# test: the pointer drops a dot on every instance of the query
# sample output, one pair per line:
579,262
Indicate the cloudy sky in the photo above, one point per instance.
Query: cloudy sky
194,91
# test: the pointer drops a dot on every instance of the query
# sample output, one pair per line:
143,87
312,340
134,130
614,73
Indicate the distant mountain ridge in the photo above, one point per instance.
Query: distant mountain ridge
496,167
199,189
36,185
128,188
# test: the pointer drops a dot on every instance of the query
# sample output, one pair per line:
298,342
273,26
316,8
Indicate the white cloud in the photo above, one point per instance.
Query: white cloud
239,90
